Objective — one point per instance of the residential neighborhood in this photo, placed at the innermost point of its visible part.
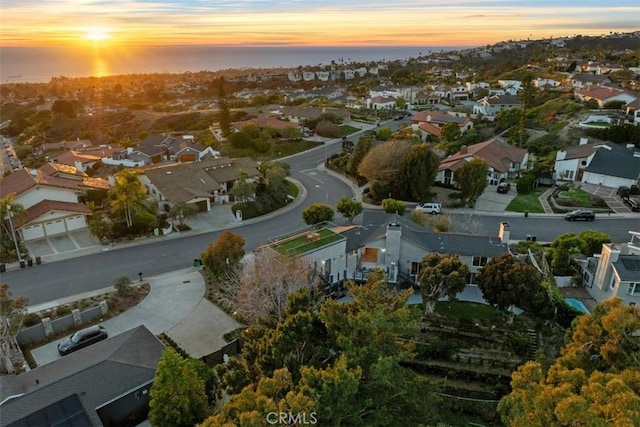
(246, 236)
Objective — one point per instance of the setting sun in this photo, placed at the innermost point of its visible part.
(97, 35)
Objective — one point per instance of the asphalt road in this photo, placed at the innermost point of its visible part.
(52, 281)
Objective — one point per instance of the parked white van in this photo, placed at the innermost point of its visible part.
(431, 208)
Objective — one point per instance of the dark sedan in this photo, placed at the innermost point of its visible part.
(82, 338)
(580, 214)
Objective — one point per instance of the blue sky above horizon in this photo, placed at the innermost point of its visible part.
(306, 22)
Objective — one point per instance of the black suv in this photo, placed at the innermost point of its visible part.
(580, 214)
(82, 338)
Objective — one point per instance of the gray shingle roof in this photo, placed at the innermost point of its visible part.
(96, 374)
(374, 225)
(614, 160)
(628, 268)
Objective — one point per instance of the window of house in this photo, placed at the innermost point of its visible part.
(612, 285)
(415, 268)
(480, 261)
(633, 289)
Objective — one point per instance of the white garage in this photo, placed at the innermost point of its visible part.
(32, 232)
(76, 223)
(54, 227)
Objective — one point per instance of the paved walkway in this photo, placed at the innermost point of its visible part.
(174, 305)
(544, 202)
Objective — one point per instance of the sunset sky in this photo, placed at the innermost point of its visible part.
(307, 22)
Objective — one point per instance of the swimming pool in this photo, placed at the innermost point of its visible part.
(577, 304)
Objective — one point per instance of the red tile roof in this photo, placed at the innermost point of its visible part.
(46, 206)
(498, 155)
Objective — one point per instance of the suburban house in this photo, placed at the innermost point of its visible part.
(381, 103)
(397, 245)
(324, 250)
(588, 79)
(432, 122)
(615, 272)
(426, 98)
(613, 166)
(300, 114)
(602, 95)
(266, 122)
(50, 197)
(200, 183)
(388, 242)
(504, 160)
(105, 384)
(512, 87)
(571, 162)
(491, 105)
(163, 148)
(83, 158)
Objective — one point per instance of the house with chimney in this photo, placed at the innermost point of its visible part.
(388, 242)
(50, 196)
(615, 272)
(505, 161)
(397, 245)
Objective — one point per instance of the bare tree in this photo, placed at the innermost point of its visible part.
(259, 287)
(12, 312)
(468, 223)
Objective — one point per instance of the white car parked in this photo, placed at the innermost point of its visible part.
(431, 208)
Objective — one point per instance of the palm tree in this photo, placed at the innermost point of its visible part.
(126, 193)
(9, 209)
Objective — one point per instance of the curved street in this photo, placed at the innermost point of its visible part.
(78, 274)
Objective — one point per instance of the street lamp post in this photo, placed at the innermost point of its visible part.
(13, 233)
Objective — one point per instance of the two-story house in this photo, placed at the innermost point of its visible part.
(489, 106)
(50, 196)
(504, 160)
(615, 272)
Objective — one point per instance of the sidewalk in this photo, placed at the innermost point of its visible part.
(174, 305)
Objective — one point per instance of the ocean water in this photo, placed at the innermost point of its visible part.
(40, 64)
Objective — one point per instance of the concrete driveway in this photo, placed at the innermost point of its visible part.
(492, 201)
(174, 305)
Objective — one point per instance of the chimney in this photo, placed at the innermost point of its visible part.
(504, 232)
(463, 149)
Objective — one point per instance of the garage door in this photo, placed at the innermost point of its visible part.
(76, 223)
(33, 232)
(54, 227)
(202, 206)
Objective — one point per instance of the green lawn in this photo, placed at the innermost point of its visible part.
(580, 197)
(301, 243)
(467, 310)
(527, 202)
(346, 130)
(293, 189)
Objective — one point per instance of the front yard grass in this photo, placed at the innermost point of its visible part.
(527, 202)
(578, 196)
(346, 130)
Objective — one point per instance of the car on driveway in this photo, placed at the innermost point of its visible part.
(580, 214)
(83, 338)
(504, 187)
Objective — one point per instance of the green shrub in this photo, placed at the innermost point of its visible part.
(634, 189)
(62, 310)
(393, 206)
(525, 184)
(122, 285)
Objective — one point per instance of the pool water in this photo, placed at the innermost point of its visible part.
(577, 304)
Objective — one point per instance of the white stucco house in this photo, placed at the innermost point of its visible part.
(50, 196)
(615, 272)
